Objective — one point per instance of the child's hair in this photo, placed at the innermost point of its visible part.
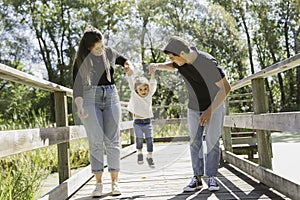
(138, 81)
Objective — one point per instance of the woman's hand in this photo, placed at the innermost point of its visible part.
(80, 110)
(128, 69)
(81, 114)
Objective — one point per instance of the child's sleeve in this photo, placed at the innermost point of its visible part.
(130, 82)
(153, 86)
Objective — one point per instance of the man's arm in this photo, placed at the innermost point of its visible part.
(222, 93)
(225, 88)
(167, 66)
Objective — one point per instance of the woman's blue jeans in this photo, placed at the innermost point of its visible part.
(213, 134)
(102, 105)
(141, 127)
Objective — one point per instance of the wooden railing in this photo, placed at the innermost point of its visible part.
(17, 141)
(22, 140)
(262, 123)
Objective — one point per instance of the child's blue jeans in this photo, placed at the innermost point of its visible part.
(141, 127)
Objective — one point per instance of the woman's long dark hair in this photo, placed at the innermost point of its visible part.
(89, 38)
(82, 62)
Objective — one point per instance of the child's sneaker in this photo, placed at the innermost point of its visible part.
(212, 184)
(98, 190)
(140, 159)
(115, 189)
(150, 162)
(193, 185)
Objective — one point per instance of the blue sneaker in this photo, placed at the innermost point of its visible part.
(193, 185)
(212, 184)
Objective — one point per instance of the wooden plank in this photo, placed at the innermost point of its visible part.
(18, 141)
(172, 139)
(244, 140)
(241, 101)
(264, 142)
(264, 175)
(68, 187)
(243, 134)
(226, 132)
(75, 182)
(285, 121)
(173, 171)
(169, 121)
(282, 66)
(126, 125)
(11, 74)
(63, 149)
(239, 121)
(239, 95)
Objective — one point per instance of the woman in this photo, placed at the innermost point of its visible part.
(98, 104)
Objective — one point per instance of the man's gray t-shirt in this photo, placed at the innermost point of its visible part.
(200, 78)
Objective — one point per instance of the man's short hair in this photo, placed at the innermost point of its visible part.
(176, 45)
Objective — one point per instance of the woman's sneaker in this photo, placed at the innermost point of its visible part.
(115, 189)
(98, 190)
(193, 185)
(212, 184)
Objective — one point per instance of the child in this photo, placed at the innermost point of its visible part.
(140, 104)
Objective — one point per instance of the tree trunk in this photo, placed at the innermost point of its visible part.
(281, 87)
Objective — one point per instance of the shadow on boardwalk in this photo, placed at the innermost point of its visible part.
(173, 171)
(241, 186)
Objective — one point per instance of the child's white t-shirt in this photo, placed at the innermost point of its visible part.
(141, 106)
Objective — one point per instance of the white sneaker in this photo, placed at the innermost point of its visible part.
(98, 190)
(115, 189)
(212, 184)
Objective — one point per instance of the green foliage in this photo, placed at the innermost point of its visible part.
(79, 153)
(245, 36)
(23, 106)
(22, 175)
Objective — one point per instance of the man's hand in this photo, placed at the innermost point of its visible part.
(205, 117)
(152, 68)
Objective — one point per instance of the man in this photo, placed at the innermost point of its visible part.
(207, 88)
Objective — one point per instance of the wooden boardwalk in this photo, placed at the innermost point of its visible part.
(173, 171)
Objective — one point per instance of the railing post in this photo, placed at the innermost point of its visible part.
(264, 142)
(226, 134)
(63, 149)
(132, 137)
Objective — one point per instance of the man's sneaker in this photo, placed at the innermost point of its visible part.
(194, 185)
(150, 162)
(140, 159)
(98, 190)
(212, 184)
(115, 189)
